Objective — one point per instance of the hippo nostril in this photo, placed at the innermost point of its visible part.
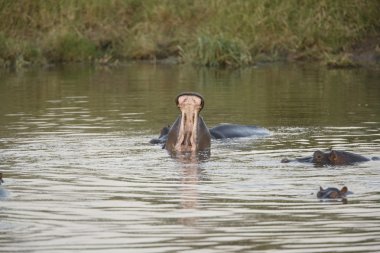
(190, 94)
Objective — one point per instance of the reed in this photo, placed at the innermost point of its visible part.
(210, 33)
(219, 51)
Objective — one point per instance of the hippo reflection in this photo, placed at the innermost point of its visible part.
(333, 157)
(189, 132)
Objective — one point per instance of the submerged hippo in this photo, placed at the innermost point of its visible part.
(189, 132)
(162, 137)
(332, 193)
(223, 131)
(333, 157)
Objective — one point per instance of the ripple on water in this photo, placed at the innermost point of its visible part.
(86, 191)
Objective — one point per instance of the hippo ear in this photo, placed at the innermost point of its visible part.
(333, 155)
(320, 188)
(344, 190)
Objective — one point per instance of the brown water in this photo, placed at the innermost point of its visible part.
(80, 175)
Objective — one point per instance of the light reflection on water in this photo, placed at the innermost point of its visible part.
(81, 176)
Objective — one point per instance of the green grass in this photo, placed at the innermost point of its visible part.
(216, 33)
(69, 47)
(220, 52)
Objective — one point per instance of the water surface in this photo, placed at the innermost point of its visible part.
(80, 175)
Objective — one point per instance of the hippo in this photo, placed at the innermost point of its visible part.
(332, 157)
(189, 132)
(1, 178)
(332, 193)
(162, 138)
(225, 131)
(222, 131)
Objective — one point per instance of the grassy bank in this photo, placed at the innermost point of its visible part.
(209, 33)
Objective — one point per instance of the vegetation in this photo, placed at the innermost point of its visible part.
(209, 33)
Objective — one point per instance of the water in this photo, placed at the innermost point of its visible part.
(80, 175)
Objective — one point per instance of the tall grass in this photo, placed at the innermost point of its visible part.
(210, 33)
(219, 51)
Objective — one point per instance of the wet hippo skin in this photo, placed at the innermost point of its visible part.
(223, 131)
(162, 137)
(333, 157)
(332, 193)
(189, 131)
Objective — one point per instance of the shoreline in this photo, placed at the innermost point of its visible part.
(360, 57)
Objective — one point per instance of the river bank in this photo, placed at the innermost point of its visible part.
(211, 33)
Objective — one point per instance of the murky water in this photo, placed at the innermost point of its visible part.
(80, 175)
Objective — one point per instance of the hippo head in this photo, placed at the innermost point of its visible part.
(189, 132)
(320, 158)
(332, 193)
(190, 105)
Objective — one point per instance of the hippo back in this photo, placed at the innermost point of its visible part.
(235, 131)
(343, 157)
